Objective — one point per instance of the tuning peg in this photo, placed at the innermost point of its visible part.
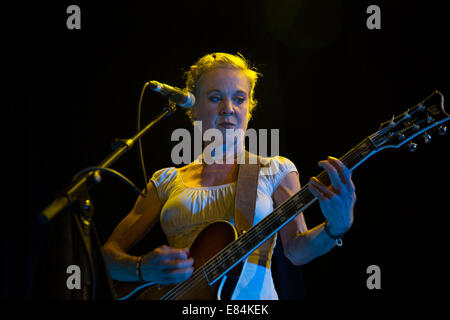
(412, 146)
(426, 137)
(392, 123)
(406, 115)
(442, 130)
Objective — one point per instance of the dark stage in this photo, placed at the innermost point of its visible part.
(328, 82)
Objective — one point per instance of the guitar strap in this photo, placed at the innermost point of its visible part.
(245, 203)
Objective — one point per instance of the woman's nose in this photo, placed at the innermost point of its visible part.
(226, 107)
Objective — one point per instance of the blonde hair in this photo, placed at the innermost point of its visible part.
(221, 60)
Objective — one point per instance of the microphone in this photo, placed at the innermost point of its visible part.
(182, 98)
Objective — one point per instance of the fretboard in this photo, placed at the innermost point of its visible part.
(242, 247)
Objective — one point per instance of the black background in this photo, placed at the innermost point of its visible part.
(328, 82)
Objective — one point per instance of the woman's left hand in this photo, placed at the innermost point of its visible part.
(337, 200)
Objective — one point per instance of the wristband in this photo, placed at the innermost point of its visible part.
(337, 238)
(138, 268)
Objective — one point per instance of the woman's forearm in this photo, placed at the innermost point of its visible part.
(309, 245)
(121, 265)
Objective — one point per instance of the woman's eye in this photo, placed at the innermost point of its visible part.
(214, 98)
(240, 100)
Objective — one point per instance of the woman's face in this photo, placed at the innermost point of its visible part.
(223, 100)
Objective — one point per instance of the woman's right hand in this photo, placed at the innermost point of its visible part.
(166, 265)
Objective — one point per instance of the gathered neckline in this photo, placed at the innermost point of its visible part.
(202, 188)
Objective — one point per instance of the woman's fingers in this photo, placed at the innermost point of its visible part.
(172, 258)
(176, 263)
(344, 173)
(335, 179)
(176, 270)
(167, 265)
(339, 174)
(337, 200)
(165, 252)
(340, 169)
(319, 190)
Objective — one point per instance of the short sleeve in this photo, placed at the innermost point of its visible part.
(280, 167)
(163, 180)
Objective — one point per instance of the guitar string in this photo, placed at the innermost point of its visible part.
(195, 279)
(184, 288)
(187, 286)
(324, 179)
(212, 265)
(208, 269)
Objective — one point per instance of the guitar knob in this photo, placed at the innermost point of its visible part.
(442, 130)
(426, 137)
(412, 146)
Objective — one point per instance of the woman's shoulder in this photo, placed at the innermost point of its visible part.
(164, 175)
(276, 165)
(274, 169)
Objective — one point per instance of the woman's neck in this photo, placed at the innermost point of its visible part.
(221, 154)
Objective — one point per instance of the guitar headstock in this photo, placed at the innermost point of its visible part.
(417, 122)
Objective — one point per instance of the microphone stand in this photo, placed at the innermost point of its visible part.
(76, 197)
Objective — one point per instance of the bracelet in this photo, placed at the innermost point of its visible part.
(138, 268)
(337, 238)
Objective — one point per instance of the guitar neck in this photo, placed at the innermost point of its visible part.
(242, 247)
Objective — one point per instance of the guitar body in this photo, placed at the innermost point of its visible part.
(207, 244)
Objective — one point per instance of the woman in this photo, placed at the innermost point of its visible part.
(187, 199)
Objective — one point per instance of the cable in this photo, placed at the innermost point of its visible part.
(141, 154)
(113, 172)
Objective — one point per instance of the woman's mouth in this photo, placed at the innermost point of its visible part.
(227, 125)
